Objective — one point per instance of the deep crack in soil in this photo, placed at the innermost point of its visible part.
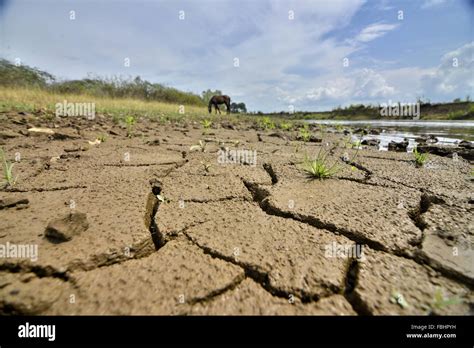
(350, 284)
(39, 271)
(259, 276)
(260, 196)
(152, 205)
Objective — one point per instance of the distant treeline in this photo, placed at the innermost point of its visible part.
(456, 110)
(24, 76)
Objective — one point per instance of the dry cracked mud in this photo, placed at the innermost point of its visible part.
(167, 230)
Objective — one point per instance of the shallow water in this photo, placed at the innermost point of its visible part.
(448, 132)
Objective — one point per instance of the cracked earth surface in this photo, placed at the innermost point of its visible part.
(166, 236)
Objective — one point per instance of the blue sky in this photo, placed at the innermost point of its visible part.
(282, 61)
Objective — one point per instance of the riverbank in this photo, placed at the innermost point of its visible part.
(151, 218)
(459, 110)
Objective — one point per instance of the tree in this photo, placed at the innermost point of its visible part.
(207, 95)
(238, 108)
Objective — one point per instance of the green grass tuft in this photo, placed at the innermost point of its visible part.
(420, 158)
(130, 122)
(319, 167)
(305, 134)
(7, 171)
(206, 124)
(267, 123)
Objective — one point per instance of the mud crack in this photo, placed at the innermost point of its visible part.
(261, 277)
(42, 189)
(39, 271)
(416, 214)
(261, 195)
(143, 164)
(139, 250)
(218, 292)
(367, 172)
(269, 169)
(152, 205)
(352, 277)
(221, 199)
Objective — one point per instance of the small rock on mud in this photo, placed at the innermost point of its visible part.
(12, 202)
(40, 131)
(399, 147)
(154, 142)
(65, 228)
(370, 142)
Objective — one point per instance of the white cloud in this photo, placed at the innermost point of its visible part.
(374, 31)
(454, 77)
(433, 3)
(364, 84)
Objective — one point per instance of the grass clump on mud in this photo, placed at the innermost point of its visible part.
(305, 134)
(319, 167)
(130, 122)
(206, 124)
(7, 171)
(286, 126)
(440, 301)
(420, 158)
(267, 123)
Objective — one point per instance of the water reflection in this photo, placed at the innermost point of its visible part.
(448, 133)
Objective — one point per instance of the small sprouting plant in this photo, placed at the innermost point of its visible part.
(116, 119)
(206, 166)
(319, 167)
(236, 143)
(267, 123)
(420, 158)
(439, 301)
(339, 127)
(285, 125)
(130, 122)
(206, 124)
(102, 138)
(351, 144)
(305, 134)
(201, 146)
(7, 170)
(356, 144)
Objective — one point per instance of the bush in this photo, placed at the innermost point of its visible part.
(114, 87)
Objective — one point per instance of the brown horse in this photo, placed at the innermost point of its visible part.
(219, 99)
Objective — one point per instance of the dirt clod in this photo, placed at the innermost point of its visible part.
(65, 228)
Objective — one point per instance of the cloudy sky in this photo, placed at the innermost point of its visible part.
(314, 55)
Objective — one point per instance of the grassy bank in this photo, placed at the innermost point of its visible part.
(31, 99)
(23, 76)
(38, 100)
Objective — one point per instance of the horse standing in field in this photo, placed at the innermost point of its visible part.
(219, 99)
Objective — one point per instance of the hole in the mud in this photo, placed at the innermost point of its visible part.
(351, 278)
(269, 169)
(152, 206)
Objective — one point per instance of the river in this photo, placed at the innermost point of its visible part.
(447, 132)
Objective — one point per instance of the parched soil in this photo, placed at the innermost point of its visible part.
(144, 225)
